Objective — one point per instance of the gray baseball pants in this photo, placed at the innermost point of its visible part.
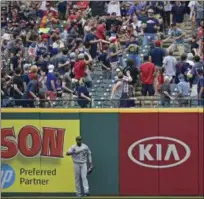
(80, 172)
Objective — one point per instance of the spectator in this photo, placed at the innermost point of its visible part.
(169, 64)
(190, 60)
(184, 91)
(178, 37)
(194, 45)
(32, 90)
(117, 91)
(200, 87)
(182, 68)
(199, 8)
(178, 11)
(25, 75)
(51, 84)
(17, 87)
(124, 102)
(166, 92)
(148, 71)
(105, 61)
(81, 70)
(67, 88)
(160, 79)
(92, 40)
(58, 33)
(157, 54)
(83, 95)
(151, 26)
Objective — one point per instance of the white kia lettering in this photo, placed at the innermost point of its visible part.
(144, 152)
(171, 151)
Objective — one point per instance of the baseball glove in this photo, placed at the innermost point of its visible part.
(90, 170)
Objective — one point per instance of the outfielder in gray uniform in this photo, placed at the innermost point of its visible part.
(80, 154)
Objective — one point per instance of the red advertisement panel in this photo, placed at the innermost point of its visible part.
(201, 154)
(136, 178)
(181, 154)
(161, 154)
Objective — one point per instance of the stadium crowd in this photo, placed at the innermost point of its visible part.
(66, 50)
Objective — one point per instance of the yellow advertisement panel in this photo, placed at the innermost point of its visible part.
(33, 155)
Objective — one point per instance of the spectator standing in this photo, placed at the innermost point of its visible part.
(199, 8)
(184, 91)
(32, 89)
(67, 89)
(194, 45)
(166, 92)
(17, 87)
(16, 60)
(178, 39)
(169, 64)
(84, 98)
(178, 11)
(167, 13)
(157, 54)
(148, 72)
(63, 62)
(93, 41)
(101, 30)
(51, 84)
(160, 79)
(117, 91)
(25, 75)
(106, 66)
(200, 87)
(151, 26)
(81, 69)
(124, 102)
(182, 68)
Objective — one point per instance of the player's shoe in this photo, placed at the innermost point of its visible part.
(78, 195)
(86, 194)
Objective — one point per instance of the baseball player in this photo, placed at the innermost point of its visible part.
(80, 154)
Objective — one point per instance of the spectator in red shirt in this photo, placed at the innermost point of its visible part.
(160, 79)
(80, 67)
(200, 30)
(101, 30)
(148, 71)
(82, 5)
(50, 9)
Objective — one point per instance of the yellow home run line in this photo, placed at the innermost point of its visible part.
(111, 197)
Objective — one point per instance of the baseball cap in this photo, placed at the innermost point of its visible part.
(72, 56)
(75, 7)
(81, 56)
(51, 68)
(26, 66)
(112, 39)
(190, 56)
(181, 77)
(150, 11)
(78, 138)
(157, 43)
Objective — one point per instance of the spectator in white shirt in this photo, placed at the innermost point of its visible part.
(169, 64)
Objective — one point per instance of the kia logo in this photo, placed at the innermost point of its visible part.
(159, 152)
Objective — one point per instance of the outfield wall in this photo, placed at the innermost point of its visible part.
(135, 151)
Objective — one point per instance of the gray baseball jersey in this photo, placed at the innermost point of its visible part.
(82, 153)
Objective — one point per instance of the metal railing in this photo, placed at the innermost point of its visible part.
(140, 102)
